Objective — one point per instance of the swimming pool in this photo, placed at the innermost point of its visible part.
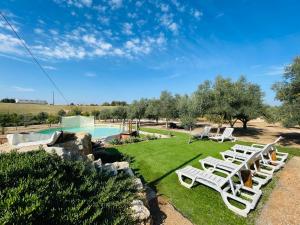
(96, 132)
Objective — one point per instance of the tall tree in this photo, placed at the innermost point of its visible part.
(288, 92)
(137, 109)
(153, 110)
(167, 106)
(188, 111)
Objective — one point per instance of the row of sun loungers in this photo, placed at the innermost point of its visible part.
(239, 176)
(226, 135)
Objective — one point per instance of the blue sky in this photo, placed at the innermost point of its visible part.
(107, 50)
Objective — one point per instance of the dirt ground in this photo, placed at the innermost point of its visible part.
(283, 206)
(258, 131)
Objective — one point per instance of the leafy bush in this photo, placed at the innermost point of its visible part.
(39, 188)
(116, 141)
(150, 137)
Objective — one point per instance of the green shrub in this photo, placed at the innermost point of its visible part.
(150, 137)
(39, 188)
(116, 141)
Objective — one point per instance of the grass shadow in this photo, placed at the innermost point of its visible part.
(156, 181)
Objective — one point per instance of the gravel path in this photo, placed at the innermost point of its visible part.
(283, 206)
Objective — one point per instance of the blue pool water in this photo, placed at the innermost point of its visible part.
(96, 132)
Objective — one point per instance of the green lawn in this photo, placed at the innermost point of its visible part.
(156, 162)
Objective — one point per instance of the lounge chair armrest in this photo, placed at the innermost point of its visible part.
(221, 171)
(257, 145)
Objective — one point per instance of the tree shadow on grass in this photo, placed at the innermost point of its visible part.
(290, 138)
(250, 131)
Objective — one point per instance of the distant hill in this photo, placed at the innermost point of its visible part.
(34, 108)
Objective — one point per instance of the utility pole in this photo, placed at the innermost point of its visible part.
(53, 98)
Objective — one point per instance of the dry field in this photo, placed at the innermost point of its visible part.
(35, 108)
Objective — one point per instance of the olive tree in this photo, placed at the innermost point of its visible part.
(167, 106)
(153, 110)
(288, 92)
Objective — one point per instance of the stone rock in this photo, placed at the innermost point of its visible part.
(84, 142)
(98, 164)
(138, 184)
(79, 143)
(121, 165)
(140, 212)
(91, 157)
(129, 172)
(63, 153)
(109, 168)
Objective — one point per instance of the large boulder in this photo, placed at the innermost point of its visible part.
(76, 142)
(140, 212)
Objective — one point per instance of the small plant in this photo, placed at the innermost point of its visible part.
(116, 141)
(135, 139)
(150, 137)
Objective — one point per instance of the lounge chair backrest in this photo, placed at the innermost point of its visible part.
(227, 132)
(206, 130)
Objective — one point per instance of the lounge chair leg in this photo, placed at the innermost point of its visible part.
(185, 184)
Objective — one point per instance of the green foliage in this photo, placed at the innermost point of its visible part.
(8, 100)
(39, 188)
(105, 114)
(272, 114)
(61, 113)
(75, 111)
(153, 109)
(288, 92)
(188, 111)
(52, 119)
(116, 141)
(42, 117)
(150, 137)
(120, 112)
(95, 113)
(167, 106)
(137, 109)
(229, 101)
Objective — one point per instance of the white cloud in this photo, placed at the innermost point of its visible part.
(4, 25)
(219, 15)
(164, 7)
(10, 44)
(275, 70)
(167, 21)
(50, 67)
(174, 27)
(138, 3)
(90, 74)
(22, 89)
(197, 14)
(127, 29)
(115, 4)
(15, 58)
(76, 3)
(38, 31)
(89, 39)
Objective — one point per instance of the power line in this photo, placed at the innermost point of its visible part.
(34, 58)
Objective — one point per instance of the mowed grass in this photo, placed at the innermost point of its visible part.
(156, 162)
(35, 108)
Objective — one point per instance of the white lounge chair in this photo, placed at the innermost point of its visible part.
(266, 151)
(32, 139)
(242, 153)
(258, 177)
(233, 156)
(229, 190)
(205, 133)
(227, 135)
